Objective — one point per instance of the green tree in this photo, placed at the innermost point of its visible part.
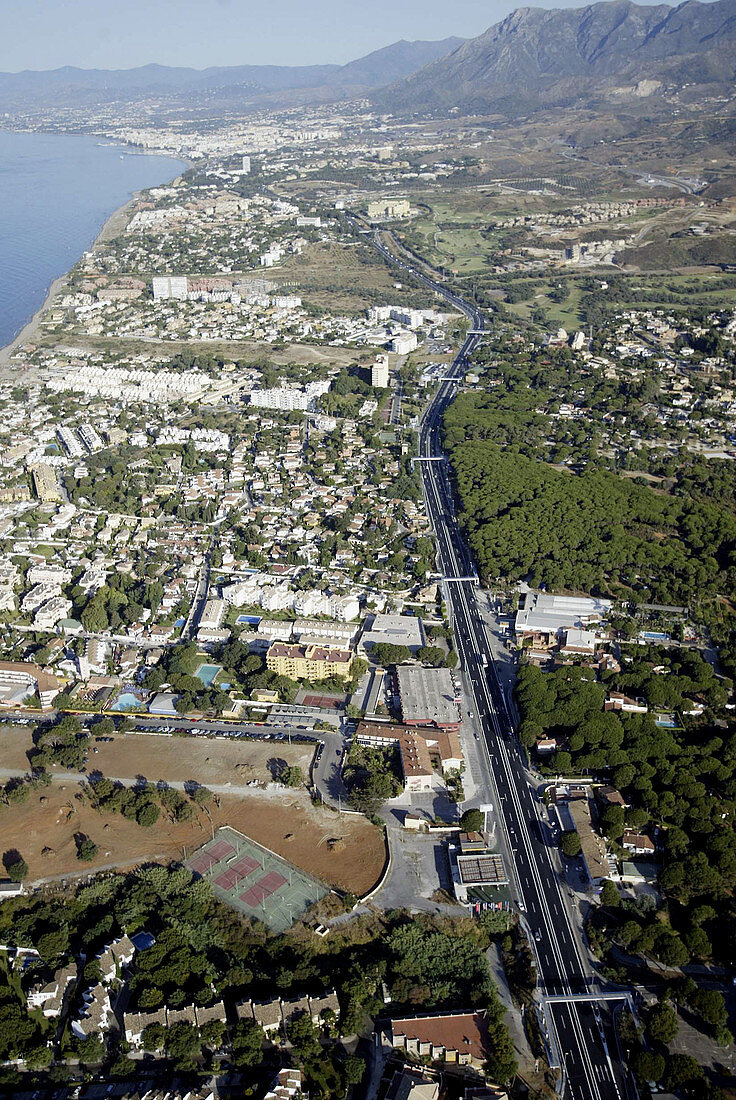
(610, 896)
(152, 1037)
(148, 814)
(570, 843)
(661, 1023)
(292, 776)
(15, 866)
(384, 653)
(472, 821)
(682, 1071)
(710, 1005)
(86, 849)
(648, 1065)
(353, 1069)
(247, 1043)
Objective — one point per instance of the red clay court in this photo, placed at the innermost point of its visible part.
(326, 702)
(259, 883)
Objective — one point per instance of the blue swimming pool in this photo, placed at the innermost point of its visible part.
(655, 636)
(207, 674)
(128, 701)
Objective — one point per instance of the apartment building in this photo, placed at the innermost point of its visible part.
(309, 662)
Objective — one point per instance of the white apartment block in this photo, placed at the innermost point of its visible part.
(69, 442)
(379, 373)
(404, 343)
(38, 595)
(52, 612)
(90, 438)
(170, 286)
(285, 399)
(48, 574)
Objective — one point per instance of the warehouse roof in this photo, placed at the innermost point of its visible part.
(428, 696)
(396, 630)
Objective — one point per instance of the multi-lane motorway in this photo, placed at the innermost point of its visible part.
(581, 1032)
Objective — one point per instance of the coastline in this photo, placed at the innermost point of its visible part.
(116, 220)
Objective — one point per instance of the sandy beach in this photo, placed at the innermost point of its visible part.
(117, 220)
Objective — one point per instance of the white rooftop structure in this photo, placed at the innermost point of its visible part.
(395, 630)
(547, 613)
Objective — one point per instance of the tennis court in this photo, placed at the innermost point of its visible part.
(254, 880)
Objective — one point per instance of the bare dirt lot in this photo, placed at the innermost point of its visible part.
(209, 761)
(14, 743)
(174, 759)
(341, 850)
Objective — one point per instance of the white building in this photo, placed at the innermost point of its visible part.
(38, 595)
(69, 442)
(170, 286)
(379, 373)
(404, 343)
(52, 612)
(90, 438)
(550, 614)
(43, 573)
(286, 399)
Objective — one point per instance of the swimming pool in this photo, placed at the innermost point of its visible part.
(655, 636)
(207, 674)
(128, 701)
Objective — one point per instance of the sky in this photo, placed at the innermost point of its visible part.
(120, 34)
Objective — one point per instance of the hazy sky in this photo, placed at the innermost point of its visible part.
(110, 34)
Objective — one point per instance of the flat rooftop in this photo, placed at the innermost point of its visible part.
(482, 869)
(547, 613)
(396, 630)
(428, 696)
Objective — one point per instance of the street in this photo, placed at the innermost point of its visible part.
(581, 1038)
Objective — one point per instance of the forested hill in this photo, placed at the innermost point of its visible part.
(590, 532)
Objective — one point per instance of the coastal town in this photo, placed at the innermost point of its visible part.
(306, 687)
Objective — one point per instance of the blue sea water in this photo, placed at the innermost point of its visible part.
(56, 192)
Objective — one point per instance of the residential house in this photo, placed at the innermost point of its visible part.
(50, 997)
(639, 844)
(96, 1013)
(135, 1023)
(267, 1014)
(455, 1038)
(287, 1084)
(319, 1005)
(215, 1013)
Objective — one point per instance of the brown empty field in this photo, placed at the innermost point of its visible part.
(213, 761)
(14, 744)
(209, 761)
(343, 851)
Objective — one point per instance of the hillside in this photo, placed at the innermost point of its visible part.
(614, 50)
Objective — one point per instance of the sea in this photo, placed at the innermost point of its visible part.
(56, 193)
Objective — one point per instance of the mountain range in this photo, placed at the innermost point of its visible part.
(560, 57)
(74, 87)
(610, 52)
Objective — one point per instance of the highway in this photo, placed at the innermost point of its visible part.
(582, 1038)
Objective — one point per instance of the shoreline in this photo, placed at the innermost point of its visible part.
(32, 326)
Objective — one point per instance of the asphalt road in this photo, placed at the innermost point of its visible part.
(582, 1034)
